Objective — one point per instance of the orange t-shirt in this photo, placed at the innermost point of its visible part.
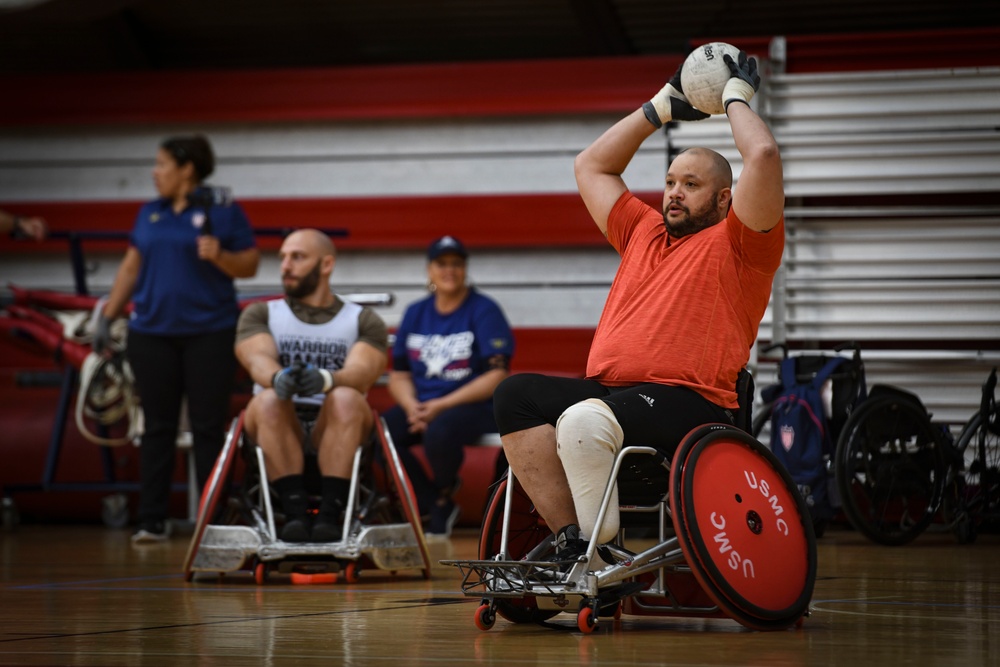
(683, 312)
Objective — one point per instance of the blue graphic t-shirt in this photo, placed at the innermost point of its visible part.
(444, 352)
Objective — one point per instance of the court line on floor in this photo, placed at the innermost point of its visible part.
(248, 619)
(887, 602)
(240, 583)
(72, 585)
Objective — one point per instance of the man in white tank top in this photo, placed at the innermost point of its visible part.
(310, 353)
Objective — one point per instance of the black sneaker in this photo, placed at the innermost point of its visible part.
(326, 530)
(569, 546)
(295, 505)
(295, 530)
(329, 522)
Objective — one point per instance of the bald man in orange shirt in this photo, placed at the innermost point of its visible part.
(680, 319)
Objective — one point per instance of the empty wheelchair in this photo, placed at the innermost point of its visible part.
(978, 494)
(237, 524)
(730, 538)
(892, 466)
(897, 469)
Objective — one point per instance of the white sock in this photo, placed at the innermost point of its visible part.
(588, 437)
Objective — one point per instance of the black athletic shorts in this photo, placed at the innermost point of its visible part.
(655, 415)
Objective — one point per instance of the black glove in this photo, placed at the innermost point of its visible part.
(744, 79)
(286, 381)
(671, 104)
(314, 380)
(102, 334)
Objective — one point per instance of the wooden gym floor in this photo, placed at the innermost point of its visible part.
(83, 595)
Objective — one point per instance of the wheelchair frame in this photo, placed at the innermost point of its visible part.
(680, 575)
(897, 469)
(222, 549)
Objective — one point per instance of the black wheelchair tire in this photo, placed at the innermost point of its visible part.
(875, 471)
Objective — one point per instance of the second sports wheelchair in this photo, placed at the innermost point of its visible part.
(237, 523)
(898, 470)
(731, 538)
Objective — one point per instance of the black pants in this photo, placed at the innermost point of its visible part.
(650, 414)
(167, 368)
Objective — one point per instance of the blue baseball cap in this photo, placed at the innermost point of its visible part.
(445, 245)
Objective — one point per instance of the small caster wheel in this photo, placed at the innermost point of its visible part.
(351, 572)
(586, 620)
(260, 573)
(485, 616)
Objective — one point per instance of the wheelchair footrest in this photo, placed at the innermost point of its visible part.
(225, 548)
(513, 579)
(391, 546)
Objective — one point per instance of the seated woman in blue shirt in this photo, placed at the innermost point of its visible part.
(185, 249)
(452, 349)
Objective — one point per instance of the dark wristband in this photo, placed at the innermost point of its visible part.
(651, 115)
(734, 99)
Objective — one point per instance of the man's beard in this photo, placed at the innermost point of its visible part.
(694, 221)
(306, 286)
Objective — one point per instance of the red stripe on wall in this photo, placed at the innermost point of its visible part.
(896, 50)
(359, 93)
(497, 221)
(513, 88)
(877, 51)
(411, 222)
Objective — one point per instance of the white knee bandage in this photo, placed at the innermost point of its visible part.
(588, 437)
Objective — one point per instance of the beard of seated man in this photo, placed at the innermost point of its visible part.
(305, 286)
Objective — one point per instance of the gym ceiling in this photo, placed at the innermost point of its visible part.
(49, 36)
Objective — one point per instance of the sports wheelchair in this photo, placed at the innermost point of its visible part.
(732, 539)
(897, 469)
(236, 527)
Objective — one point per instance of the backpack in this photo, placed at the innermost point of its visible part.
(800, 434)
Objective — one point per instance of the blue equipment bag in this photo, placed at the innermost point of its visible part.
(800, 434)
